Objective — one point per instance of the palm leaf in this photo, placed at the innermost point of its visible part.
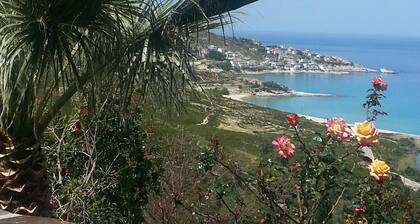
(51, 49)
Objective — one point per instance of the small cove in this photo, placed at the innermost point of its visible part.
(402, 98)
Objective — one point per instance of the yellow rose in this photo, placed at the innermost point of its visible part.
(379, 170)
(366, 133)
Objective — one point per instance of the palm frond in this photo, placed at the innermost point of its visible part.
(50, 50)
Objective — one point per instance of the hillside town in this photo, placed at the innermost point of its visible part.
(257, 58)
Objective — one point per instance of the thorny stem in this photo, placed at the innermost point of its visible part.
(334, 206)
(320, 149)
(303, 202)
(367, 110)
(299, 201)
(323, 145)
(336, 203)
(316, 207)
(301, 198)
(345, 156)
(227, 206)
(272, 201)
(247, 184)
(299, 138)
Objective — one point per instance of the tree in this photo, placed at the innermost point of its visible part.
(53, 50)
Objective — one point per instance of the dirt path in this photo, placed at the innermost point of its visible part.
(409, 183)
(205, 120)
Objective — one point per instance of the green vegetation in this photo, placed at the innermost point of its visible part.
(244, 129)
(56, 51)
(104, 169)
(225, 65)
(216, 55)
(271, 85)
(240, 45)
(244, 133)
(100, 123)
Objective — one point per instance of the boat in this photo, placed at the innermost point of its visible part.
(386, 71)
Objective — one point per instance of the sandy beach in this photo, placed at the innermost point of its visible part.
(241, 95)
(324, 121)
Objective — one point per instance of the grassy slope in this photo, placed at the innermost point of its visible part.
(245, 129)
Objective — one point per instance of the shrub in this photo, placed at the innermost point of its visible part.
(216, 55)
(100, 169)
(270, 85)
(224, 91)
(194, 189)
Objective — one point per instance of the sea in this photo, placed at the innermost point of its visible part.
(397, 53)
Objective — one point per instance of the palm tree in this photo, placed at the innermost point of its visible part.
(53, 49)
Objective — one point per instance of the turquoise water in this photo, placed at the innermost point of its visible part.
(395, 53)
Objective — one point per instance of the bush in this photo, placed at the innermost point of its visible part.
(216, 55)
(224, 91)
(270, 85)
(309, 177)
(190, 193)
(101, 171)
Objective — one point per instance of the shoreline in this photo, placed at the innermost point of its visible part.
(384, 131)
(369, 71)
(241, 96)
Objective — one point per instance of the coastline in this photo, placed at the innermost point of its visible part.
(368, 70)
(241, 96)
(384, 131)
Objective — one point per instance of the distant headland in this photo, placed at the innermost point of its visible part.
(246, 56)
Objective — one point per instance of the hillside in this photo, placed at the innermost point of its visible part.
(249, 56)
(245, 129)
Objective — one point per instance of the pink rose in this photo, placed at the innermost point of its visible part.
(338, 128)
(285, 149)
(379, 84)
(293, 119)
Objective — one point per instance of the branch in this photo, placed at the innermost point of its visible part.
(334, 207)
(299, 200)
(61, 101)
(228, 208)
(247, 184)
(300, 140)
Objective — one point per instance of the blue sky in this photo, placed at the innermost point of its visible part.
(375, 17)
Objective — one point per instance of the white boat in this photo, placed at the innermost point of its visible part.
(386, 71)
